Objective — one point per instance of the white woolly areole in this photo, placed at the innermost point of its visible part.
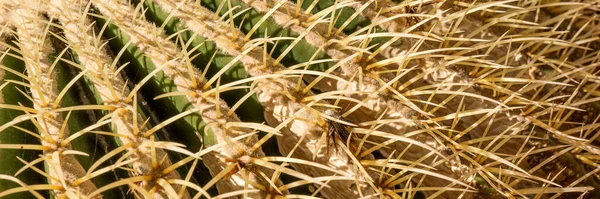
(30, 24)
(167, 55)
(306, 134)
(211, 27)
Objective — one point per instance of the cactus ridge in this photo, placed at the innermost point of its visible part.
(299, 99)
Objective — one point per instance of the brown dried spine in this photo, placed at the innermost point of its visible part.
(337, 131)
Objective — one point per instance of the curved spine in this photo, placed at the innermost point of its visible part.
(64, 170)
(279, 108)
(505, 122)
(95, 60)
(224, 125)
(371, 88)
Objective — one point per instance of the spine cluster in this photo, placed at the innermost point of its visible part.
(64, 171)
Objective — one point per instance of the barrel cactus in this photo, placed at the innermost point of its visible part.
(299, 99)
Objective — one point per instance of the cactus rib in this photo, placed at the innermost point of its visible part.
(223, 123)
(95, 59)
(299, 99)
(64, 169)
(366, 86)
(253, 60)
(499, 53)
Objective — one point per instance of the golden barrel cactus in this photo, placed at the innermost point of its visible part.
(299, 99)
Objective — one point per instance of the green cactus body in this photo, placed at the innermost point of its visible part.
(299, 99)
(11, 96)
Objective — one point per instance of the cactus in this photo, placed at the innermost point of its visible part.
(299, 99)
